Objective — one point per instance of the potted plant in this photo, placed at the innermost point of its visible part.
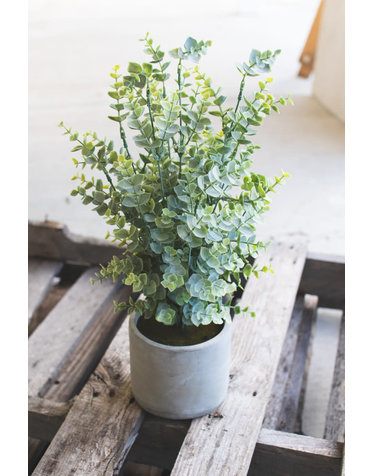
(183, 208)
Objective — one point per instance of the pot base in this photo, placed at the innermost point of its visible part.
(180, 415)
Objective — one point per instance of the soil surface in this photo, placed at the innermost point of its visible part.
(173, 335)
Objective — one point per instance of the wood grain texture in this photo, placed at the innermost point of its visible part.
(287, 416)
(285, 454)
(103, 422)
(66, 277)
(52, 240)
(276, 453)
(40, 279)
(87, 351)
(82, 357)
(324, 276)
(274, 405)
(228, 442)
(335, 422)
(54, 337)
(45, 417)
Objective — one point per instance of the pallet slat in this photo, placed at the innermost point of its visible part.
(290, 402)
(324, 276)
(285, 363)
(45, 417)
(52, 240)
(228, 441)
(335, 422)
(55, 340)
(88, 349)
(278, 453)
(40, 280)
(54, 337)
(102, 423)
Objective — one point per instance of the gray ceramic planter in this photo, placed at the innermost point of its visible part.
(179, 382)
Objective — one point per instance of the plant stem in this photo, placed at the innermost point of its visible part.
(181, 152)
(156, 154)
(242, 84)
(148, 98)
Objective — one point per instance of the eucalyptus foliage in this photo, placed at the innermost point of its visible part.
(184, 205)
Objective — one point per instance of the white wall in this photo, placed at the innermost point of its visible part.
(329, 80)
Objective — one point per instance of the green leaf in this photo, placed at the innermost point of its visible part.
(147, 68)
(134, 68)
(190, 43)
(165, 314)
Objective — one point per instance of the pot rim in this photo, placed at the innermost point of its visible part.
(177, 348)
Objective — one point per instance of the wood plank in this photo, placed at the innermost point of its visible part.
(335, 422)
(307, 57)
(45, 417)
(324, 276)
(287, 416)
(103, 422)
(41, 273)
(159, 441)
(52, 240)
(54, 337)
(285, 363)
(68, 274)
(82, 358)
(278, 453)
(88, 349)
(228, 441)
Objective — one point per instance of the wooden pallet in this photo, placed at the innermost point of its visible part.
(83, 418)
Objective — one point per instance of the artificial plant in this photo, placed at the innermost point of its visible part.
(183, 205)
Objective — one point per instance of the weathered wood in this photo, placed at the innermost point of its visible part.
(88, 349)
(308, 53)
(324, 276)
(159, 441)
(54, 337)
(68, 274)
(103, 422)
(40, 279)
(287, 417)
(278, 453)
(83, 354)
(335, 422)
(284, 367)
(228, 441)
(45, 417)
(54, 241)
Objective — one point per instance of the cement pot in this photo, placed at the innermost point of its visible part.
(179, 382)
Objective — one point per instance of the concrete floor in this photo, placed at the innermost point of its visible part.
(74, 44)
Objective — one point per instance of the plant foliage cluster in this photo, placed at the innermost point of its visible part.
(184, 206)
